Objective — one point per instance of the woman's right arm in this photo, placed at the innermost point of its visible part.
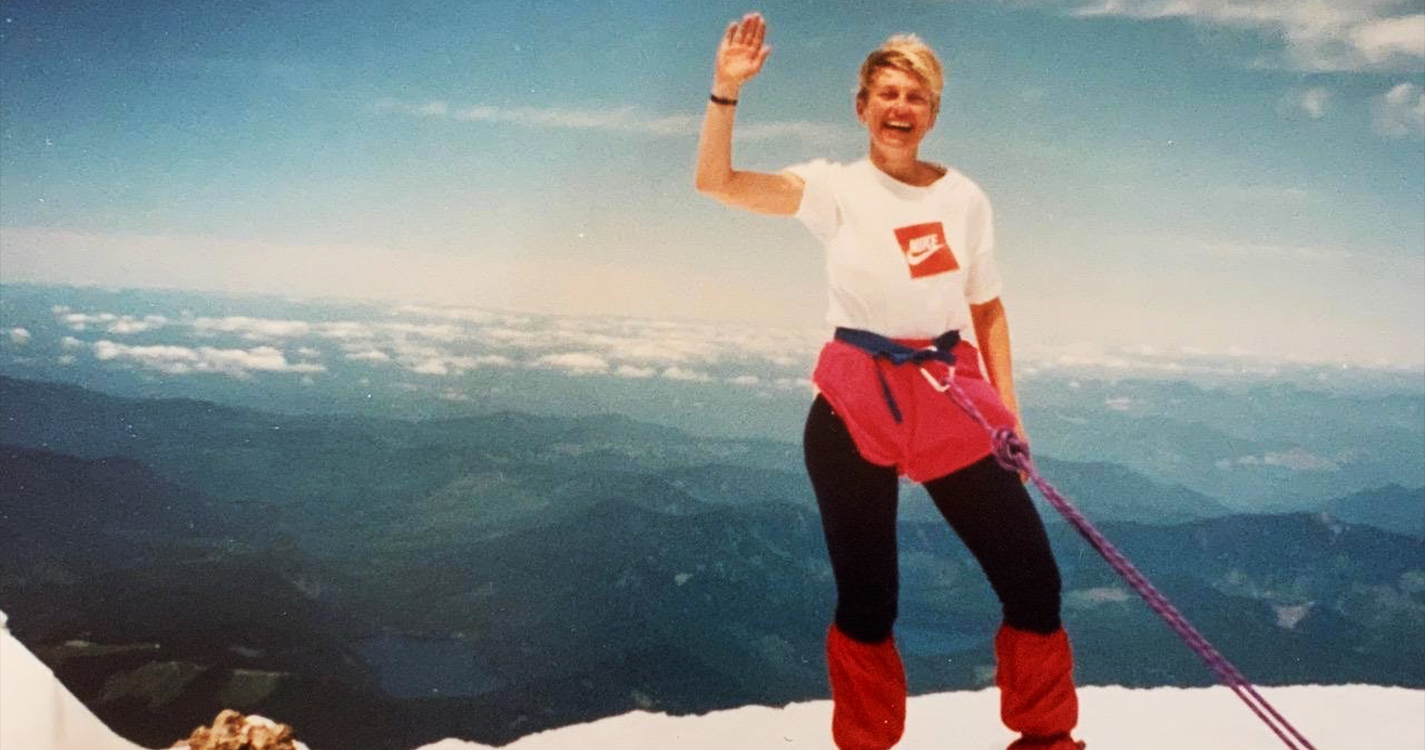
(739, 58)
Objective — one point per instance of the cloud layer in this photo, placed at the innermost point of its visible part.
(1316, 36)
(610, 119)
(429, 347)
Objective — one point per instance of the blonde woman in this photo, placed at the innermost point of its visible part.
(909, 258)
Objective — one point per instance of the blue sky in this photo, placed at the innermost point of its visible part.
(1221, 176)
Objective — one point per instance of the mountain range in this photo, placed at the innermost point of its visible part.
(384, 583)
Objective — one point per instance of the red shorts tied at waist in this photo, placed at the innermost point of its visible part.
(935, 437)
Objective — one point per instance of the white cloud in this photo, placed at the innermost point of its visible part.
(1381, 40)
(622, 119)
(182, 360)
(429, 367)
(369, 355)
(127, 324)
(111, 322)
(1298, 459)
(1085, 598)
(1400, 112)
(20, 336)
(579, 363)
(436, 331)
(442, 363)
(680, 373)
(69, 342)
(1319, 36)
(812, 132)
(346, 330)
(1119, 403)
(254, 329)
(745, 380)
(1312, 102)
(629, 371)
(82, 321)
(468, 314)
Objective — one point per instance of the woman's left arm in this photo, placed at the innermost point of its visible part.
(992, 333)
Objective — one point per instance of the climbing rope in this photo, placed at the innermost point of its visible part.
(1013, 454)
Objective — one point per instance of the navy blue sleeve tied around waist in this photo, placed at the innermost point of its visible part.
(942, 349)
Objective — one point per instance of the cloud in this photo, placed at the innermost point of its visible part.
(20, 336)
(1400, 112)
(369, 355)
(622, 119)
(1119, 403)
(450, 364)
(1092, 597)
(346, 330)
(814, 132)
(1381, 40)
(629, 371)
(254, 328)
(1312, 102)
(679, 373)
(468, 314)
(1298, 459)
(578, 363)
(182, 360)
(1317, 36)
(127, 324)
(436, 331)
(619, 119)
(110, 322)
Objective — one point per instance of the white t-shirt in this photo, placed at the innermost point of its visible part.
(902, 261)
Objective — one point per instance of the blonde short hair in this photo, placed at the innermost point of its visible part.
(907, 53)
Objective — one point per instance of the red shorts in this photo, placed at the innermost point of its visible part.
(935, 437)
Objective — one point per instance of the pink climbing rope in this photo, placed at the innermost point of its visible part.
(1013, 454)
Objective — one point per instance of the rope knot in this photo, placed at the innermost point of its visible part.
(1010, 450)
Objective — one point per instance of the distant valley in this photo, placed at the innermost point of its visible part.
(386, 582)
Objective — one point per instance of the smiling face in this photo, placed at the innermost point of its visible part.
(897, 108)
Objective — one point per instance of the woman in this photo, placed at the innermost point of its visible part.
(909, 260)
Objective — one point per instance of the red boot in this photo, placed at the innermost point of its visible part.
(1035, 674)
(868, 692)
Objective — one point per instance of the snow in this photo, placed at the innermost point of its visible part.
(40, 714)
(1112, 718)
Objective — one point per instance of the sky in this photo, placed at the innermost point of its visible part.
(1219, 176)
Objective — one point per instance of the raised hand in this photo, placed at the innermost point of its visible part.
(741, 53)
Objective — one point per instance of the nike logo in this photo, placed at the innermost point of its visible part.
(927, 251)
(920, 249)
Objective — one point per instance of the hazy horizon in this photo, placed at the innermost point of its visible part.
(1177, 176)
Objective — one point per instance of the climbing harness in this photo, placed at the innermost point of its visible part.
(942, 349)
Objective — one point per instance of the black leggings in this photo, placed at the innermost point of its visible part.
(986, 505)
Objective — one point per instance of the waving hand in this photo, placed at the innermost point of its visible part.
(741, 53)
